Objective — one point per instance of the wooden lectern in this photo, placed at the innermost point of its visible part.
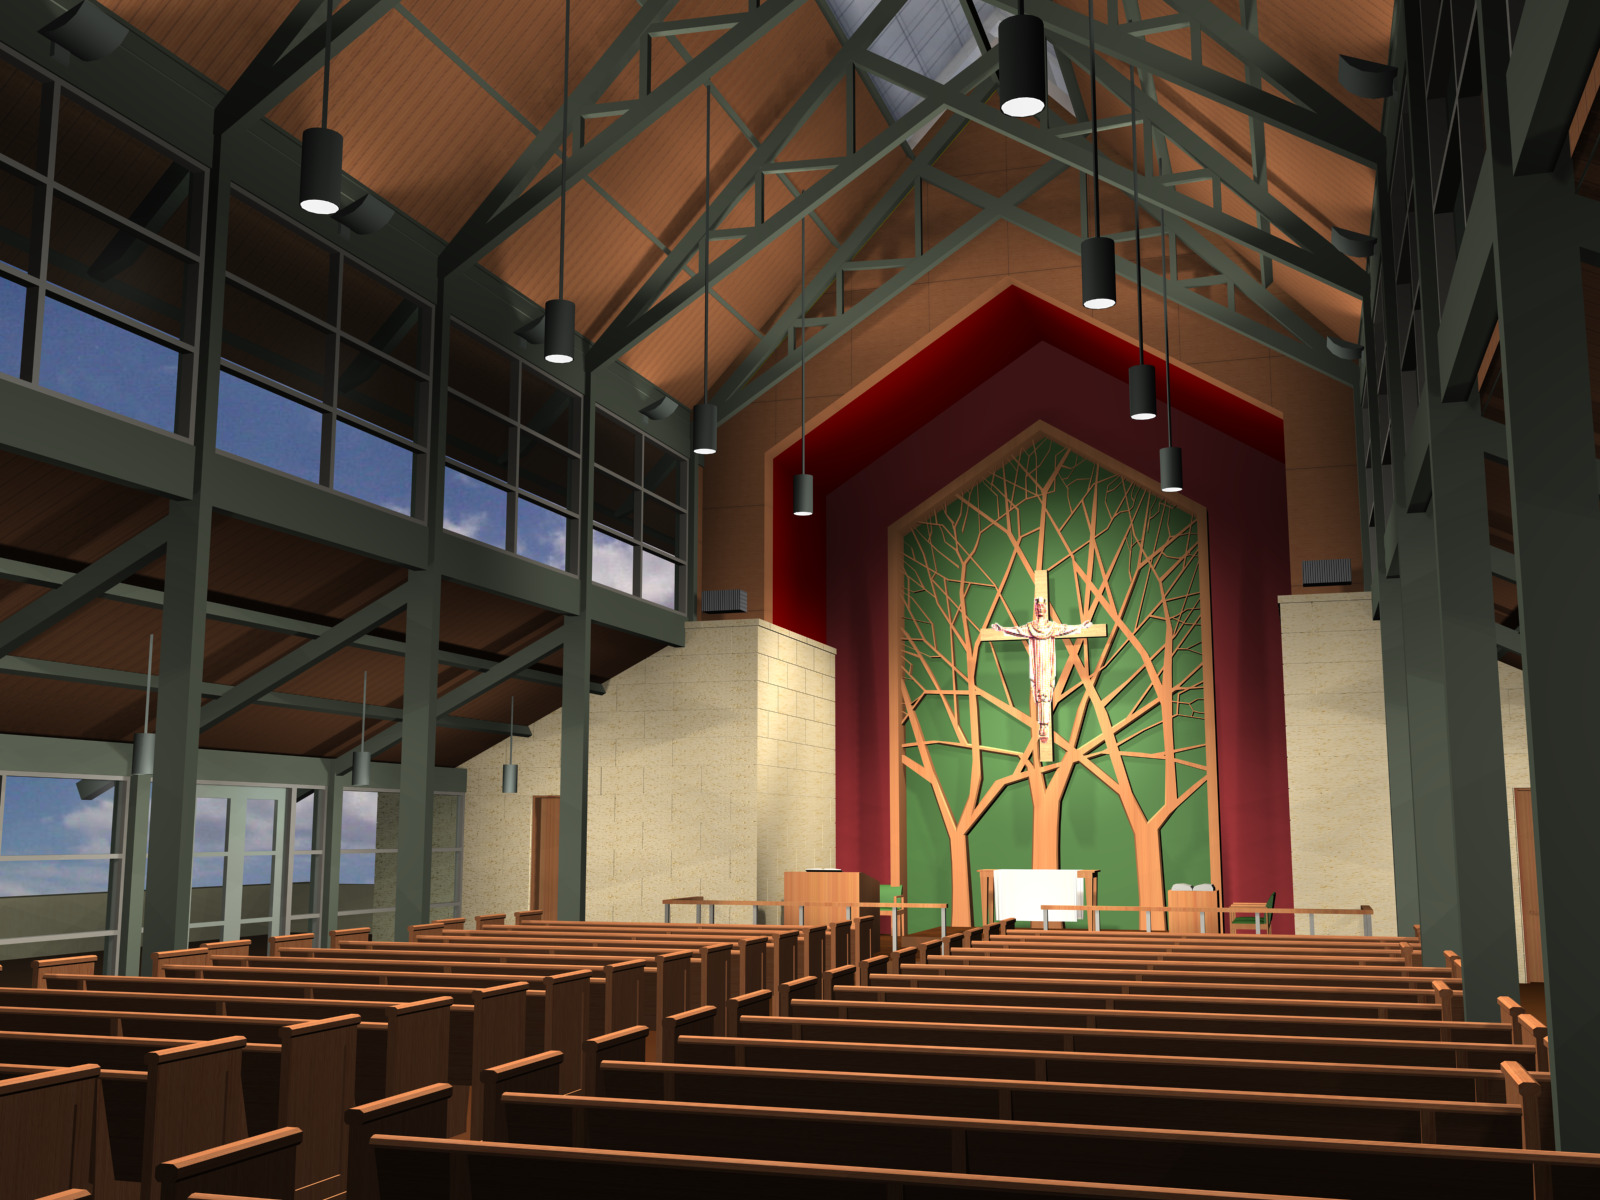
(825, 895)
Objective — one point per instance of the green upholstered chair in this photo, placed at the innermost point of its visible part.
(1247, 920)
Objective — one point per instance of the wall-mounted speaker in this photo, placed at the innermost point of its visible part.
(725, 600)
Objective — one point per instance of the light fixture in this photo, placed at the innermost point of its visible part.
(508, 773)
(1097, 254)
(1141, 376)
(86, 31)
(560, 314)
(322, 150)
(361, 762)
(1339, 348)
(1022, 65)
(144, 743)
(705, 413)
(364, 216)
(1348, 241)
(659, 410)
(804, 485)
(1369, 80)
(1171, 456)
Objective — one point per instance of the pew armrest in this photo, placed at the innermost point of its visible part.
(1525, 1092)
(489, 920)
(54, 968)
(1532, 1032)
(423, 1112)
(835, 976)
(622, 1045)
(1510, 1010)
(696, 1022)
(1449, 1000)
(344, 937)
(538, 1073)
(262, 1166)
(807, 987)
(289, 939)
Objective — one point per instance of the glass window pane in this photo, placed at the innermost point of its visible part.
(443, 882)
(659, 582)
(258, 869)
(662, 525)
(273, 342)
(117, 268)
(354, 869)
(547, 409)
(19, 199)
(302, 870)
(210, 824)
(208, 871)
(267, 428)
(615, 504)
(50, 816)
(478, 438)
(122, 172)
(613, 562)
(78, 891)
(358, 824)
(307, 809)
(479, 370)
(383, 316)
(90, 359)
(473, 508)
(21, 102)
(615, 446)
(305, 925)
(542, 534)
(444, 822)
(261, 823)
(372, 469)
(13, 320)
(378, 392)
(662, 472)
(546, 471)
(279, 259)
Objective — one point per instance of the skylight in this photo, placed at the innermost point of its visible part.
(932, 38)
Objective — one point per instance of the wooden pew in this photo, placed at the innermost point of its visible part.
(1129, 1156)
(264, 1164)
(1143, 1042)
(305, 1077)
(1394, 1119)
(47, 1131)
(414, 1167)
(793, 937)
(1316, 974)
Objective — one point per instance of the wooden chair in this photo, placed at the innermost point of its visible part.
(1255, 922)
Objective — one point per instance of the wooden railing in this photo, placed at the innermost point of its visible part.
(1258, 910)
(701, 902)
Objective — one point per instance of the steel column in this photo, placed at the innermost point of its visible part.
(413, 867)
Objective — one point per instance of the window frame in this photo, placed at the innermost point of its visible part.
(642, 493)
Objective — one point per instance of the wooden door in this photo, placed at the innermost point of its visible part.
(544, 871)
(1527, 866)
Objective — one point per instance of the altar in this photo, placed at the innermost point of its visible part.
(1019, 892)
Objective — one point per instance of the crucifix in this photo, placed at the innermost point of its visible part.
(1040, 634)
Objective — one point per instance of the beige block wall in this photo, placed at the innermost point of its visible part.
(1341, 846)
(1342, 851)
(710, 773)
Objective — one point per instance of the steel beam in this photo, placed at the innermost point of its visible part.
(413, 857)
(522, 195)
(90, 583)
(1545, 76)
(302, 658)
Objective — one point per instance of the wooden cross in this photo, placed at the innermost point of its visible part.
(1040, 634)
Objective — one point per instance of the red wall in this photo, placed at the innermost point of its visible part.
(1240, 480)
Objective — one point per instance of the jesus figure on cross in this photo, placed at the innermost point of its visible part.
(1040, 634)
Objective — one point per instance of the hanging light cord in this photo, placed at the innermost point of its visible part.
(802, 345)
(1166, 327)
(363, 710)
(1094, 120)
(566, 67)
(327, 60)
(1138, 245)
(705, 271)
(149, 672)
(511, 732)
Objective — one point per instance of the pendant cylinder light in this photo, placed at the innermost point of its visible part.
(705, 413)
(1141, 376)
(560, 314)
(1171, 456)
(1099, 260)
(144, 743)
(1022, 65)
(361, 762)
(508, 773)
(1171, 469)
(322, 150)
(804, 485)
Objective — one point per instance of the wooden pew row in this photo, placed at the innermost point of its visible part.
(1108, 1154)
(1402, 948)
(484, 1010)
(1180, 954)
(305, 1079)
(1417, 978)
(1145, 1042)
(861, 942)
(1518, 1119)
(48, 1129)
(264, 1165)
(663, 980)
(813, 943)
(994, 975)
(414, 1168)
(398, 1046)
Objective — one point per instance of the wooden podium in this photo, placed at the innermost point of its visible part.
(1198, 912)
(825, 895)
